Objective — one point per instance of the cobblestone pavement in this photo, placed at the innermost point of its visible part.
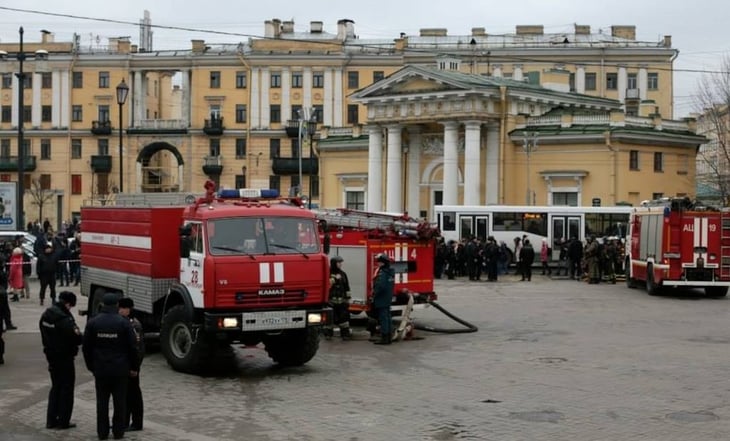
(553, 360)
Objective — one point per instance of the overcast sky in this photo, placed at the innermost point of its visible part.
(700, 29)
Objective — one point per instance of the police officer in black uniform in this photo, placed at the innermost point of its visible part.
(110, 354)
(135, 403)
(61, 339)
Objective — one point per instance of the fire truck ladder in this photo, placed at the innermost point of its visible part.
(725, 243)
(362, 220)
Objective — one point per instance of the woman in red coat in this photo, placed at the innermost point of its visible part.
(15, 279)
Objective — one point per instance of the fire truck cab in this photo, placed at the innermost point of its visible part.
(675, 242)
(227, 267)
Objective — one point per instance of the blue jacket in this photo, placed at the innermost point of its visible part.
(384, 287)
(110, 344)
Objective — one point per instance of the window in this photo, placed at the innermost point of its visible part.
(7, 114)
(353, 80)
(355, 200)
(631, 82)
(77, 114)
(565, 198)
(611, 81)
(102, 183)
(28, 81)
(275, 113)
(318, 80)
(658, 161)
(571, 82)
(634, 160)
(295, 111)
(313, 187)
(657, 195)
(240, 113)
(5, 148)
(240, 148)
(103, 80)
(352, 113)
(240, 181)
(274, 148)
(296, 80)
(378, 75)
(652, 81)
(77, 80)
(294, 186)
(241, 80)
(533, 77)
(275, 80)
(590, 81)
(75, 148)
(45, 182)
(294, 148)
(26, 147)
(76, 184)
(275, 182)
(215, 79)
(102, 147)
(214, 147)
(46, 80)
(318, 114)
(27, 113)
(46, 112)
(46, 149)
(104, 113)
(7, 81)
(215, 111)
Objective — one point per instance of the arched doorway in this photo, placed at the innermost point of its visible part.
(160, 168)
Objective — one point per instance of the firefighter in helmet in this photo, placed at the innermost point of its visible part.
(340, 299)
(383, 290)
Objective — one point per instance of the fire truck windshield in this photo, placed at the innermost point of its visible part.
(263, 235)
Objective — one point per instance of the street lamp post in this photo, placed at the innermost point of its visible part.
(311, 130)
(122, 92)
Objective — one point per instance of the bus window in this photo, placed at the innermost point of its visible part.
(507, 222)
(449, 223)
(535, 223)
(466, 227)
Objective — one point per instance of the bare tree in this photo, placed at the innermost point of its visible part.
(713, 104)
(40, 196)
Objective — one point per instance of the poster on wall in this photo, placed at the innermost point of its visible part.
(7, 206)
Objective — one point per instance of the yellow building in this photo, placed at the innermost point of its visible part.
(232, 113)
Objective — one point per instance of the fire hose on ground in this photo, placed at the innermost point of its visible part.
(467, 329)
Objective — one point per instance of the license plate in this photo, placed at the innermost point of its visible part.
(274, 321)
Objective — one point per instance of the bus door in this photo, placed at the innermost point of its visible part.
(473, 225)
(563, 227)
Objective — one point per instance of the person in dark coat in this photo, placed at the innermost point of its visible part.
(135, 404)
(383, 291)
(110, 354)
(47, 268)
(527, 258)
(61, 339)
(575, 255)
(339, 297)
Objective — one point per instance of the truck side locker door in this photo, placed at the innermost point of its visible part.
(191, 268)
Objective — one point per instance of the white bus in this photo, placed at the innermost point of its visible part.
(506, 222)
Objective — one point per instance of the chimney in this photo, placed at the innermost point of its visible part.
(582, 30)
(135, 48)
(478, 32)
(46, 36)
(345, 29)
(667, 41)
(529, 30)
(124, 46)
(272, 28)
(434, 32)
(198, 46)
(625, 32)
(287, 27)
(315, 27)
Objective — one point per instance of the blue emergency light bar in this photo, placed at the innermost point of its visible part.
(259, 193)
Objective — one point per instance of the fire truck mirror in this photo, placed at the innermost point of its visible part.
(184, 247)
(326, 243)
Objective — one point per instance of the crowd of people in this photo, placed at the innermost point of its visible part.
(596, 260)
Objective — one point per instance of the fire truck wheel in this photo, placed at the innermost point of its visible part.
(652, 288)
(716, 291)
(182, 352)
(293, 348)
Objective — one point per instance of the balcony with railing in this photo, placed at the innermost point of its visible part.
(101, 163)
(10, 163)
(290, 166)
(213, 127)
(101, 127)
(213, 165)
(632, 94)
(159, 126)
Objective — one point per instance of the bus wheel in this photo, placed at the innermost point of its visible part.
(651, 287)
(630, 283)
(716, 291)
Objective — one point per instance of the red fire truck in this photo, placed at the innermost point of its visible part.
(675, 242)
(211, 272)
(359, 236)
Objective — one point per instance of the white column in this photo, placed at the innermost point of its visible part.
(328, 97)
(472, 162)
(375, 168)
(337, 107)
(517, 72)
(264, 110)
(35, 110)
(394, 170)
(413, 190)
(643, 83)
(285, 92)
(580, 79)
(14, 103)
(65, 98)
(138, 98)
(451, 163)
(56, 99)
(185, 111)
(622, 83)
(307, 87)
(492, 168)
(255, 92)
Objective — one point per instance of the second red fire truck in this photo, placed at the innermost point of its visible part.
(674, 242)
